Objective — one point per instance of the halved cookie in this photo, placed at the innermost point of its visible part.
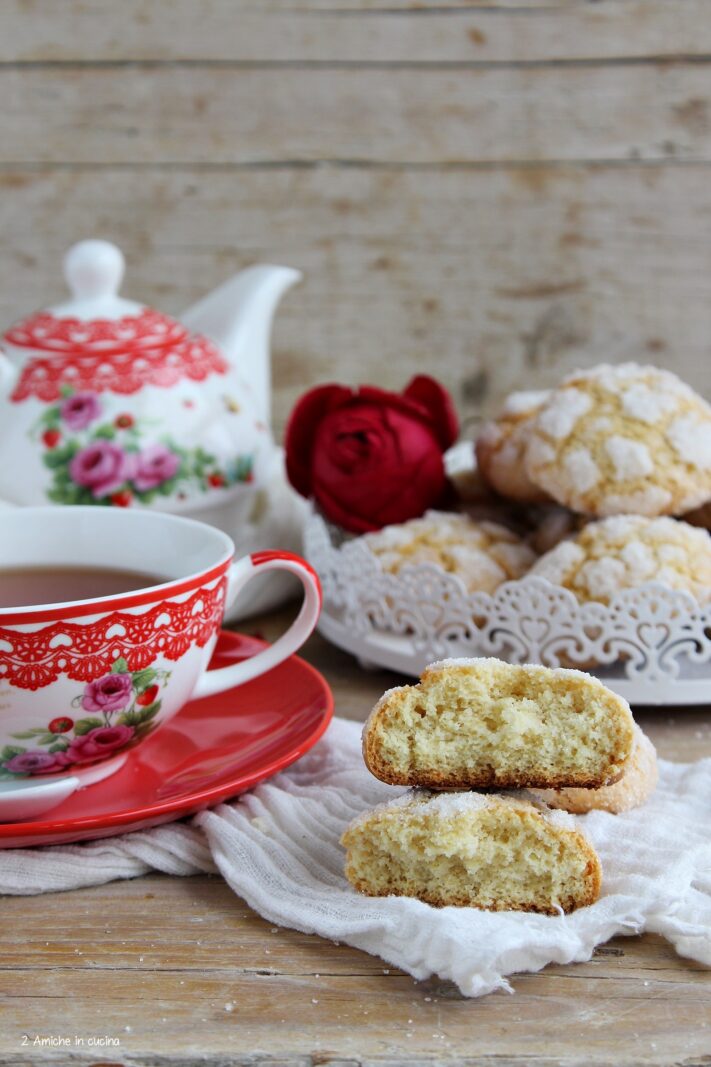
(485, 724)
(632, 790)
(491, 851)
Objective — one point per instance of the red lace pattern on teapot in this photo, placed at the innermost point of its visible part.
(84, 652)
(120, 356)
(148, 329)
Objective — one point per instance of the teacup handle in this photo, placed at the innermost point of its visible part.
(301, 628)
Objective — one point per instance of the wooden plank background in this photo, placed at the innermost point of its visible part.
(494, 191)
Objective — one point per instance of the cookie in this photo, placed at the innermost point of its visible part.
(502, 444)
(622, 439)
(486, 724)
(626, 551)
(501, 853)
(465, 477)
(632, 790)
(483, 554)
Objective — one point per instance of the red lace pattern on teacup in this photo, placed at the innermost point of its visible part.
(120, 356)
(86, 651)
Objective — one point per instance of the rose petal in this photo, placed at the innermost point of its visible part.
(301, 428)
(436, 399)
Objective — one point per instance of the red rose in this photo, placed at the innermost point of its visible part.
(369, 457)
(122, 499)
(60, 725)
(51, 438)
(148, 696)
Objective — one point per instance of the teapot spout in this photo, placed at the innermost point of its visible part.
(238, 317)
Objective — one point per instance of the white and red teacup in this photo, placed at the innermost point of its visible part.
(84, 681)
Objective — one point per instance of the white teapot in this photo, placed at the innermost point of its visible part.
(105, 401)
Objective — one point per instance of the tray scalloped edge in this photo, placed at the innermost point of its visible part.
(651, 644)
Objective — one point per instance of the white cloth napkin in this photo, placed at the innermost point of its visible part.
(277, 847)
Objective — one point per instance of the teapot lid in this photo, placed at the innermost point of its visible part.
(97, 319)
(99, 341)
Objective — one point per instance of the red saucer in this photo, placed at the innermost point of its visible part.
(213, 749)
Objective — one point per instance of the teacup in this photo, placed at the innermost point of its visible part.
(84, 681)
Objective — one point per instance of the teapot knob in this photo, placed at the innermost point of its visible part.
(94, 269)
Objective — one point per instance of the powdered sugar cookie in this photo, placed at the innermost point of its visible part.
(465, 476)
(483, 554)
(501, 446)
(622, 439)
(626, 551)
(474, 496)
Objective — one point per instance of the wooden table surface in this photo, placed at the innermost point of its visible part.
(179, 970)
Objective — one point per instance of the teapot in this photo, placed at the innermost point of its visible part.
(108, 402)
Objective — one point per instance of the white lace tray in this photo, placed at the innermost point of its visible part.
(652, 645)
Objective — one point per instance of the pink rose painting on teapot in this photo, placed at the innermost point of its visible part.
(110, 402)
(98, 459)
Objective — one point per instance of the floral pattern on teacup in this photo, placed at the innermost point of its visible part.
(94, 459)
(113, 712)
